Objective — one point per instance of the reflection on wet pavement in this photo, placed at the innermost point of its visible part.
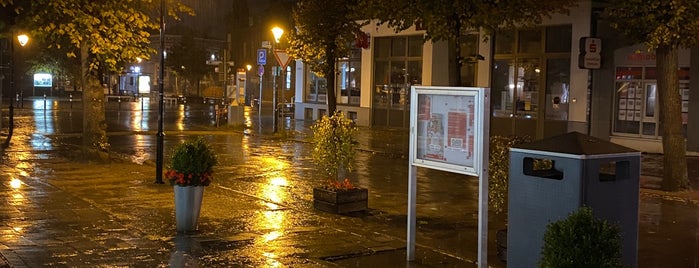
(259, 211)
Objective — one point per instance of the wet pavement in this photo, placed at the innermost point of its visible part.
(61, 210)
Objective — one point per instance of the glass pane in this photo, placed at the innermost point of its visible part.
(529, 41)
(625, 118)
(354, 82)
(527, 88)
(415, 72)
(504, 42)
(382, 48)
(398, 84)
(342, 79)
(558, 38)
(415, 44)
(469, 51)
(557, 88)
(398, 46)
(503, 87)
(650, 100)
(381, 87)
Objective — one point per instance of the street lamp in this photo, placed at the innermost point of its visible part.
(160, 136)
(22, 39)
(277, 32)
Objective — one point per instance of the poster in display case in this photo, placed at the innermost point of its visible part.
(447, 128)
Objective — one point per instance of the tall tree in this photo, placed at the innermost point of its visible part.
(324, 31)
(449, 19)
(188, 60)
(103, 35)
(665, 27)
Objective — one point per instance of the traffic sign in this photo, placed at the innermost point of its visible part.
(261, 56)
(282, 57)
(261, 70)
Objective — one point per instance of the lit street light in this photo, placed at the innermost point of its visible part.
(277, 32)
(22, 39)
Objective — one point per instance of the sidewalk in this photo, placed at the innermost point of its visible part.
(71, 214)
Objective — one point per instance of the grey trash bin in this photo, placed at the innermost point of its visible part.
(551, 178)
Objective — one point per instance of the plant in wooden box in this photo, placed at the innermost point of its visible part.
(333, 152)
(499, 171)
(190, 170)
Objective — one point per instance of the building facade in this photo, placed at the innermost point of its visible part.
(540, 86)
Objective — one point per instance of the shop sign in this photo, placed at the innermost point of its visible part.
(590, 49)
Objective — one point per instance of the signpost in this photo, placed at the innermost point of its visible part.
(449, 131)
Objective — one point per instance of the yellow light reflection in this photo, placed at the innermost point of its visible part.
(278, 181)
(273, 163)
(272, 235)
(15, 183)
(137, 121)
(179, 122)
(271, 261)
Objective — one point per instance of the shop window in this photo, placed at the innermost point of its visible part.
(469, 53)
(557, 89)
(504, 42)
(349, 78)
(529, 41)
(317, 88)
(636, 110)
(558, 38)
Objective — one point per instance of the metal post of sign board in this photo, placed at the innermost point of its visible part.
(449, 131)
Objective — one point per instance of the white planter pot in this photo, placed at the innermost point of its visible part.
(187, 206)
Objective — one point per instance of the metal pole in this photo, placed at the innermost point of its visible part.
(274, 95)
(11, 125)
(160, 135)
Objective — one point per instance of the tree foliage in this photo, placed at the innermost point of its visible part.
(446, 19)
(103, 35)
(663, 26)
(186, 59)
(323, 31)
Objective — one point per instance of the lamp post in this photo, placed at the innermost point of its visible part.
(22, 39)
(161, 134)
(277, 32)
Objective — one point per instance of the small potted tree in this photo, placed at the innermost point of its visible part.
(189, 171)
(334, 144)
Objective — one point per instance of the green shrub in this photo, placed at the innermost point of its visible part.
(580, 240)
(191, 163)
(499, 169)
(334, 145)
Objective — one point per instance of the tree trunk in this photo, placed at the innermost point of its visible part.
(94, 122)
(331, 100)
(674, 144)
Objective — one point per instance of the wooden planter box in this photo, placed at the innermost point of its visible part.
(341, 201)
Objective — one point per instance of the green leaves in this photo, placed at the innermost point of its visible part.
(499, 170)
(581, 241)
(334, 145)
(193, 157)
(656, 23)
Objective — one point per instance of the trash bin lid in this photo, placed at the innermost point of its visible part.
(576, 143)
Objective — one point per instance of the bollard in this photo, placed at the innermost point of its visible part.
(119, 100)
(44, 101)
(71, 100)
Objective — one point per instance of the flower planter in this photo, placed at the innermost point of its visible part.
(340, 201)
(187, 206)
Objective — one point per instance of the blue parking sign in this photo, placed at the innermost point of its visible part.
(261, 56)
